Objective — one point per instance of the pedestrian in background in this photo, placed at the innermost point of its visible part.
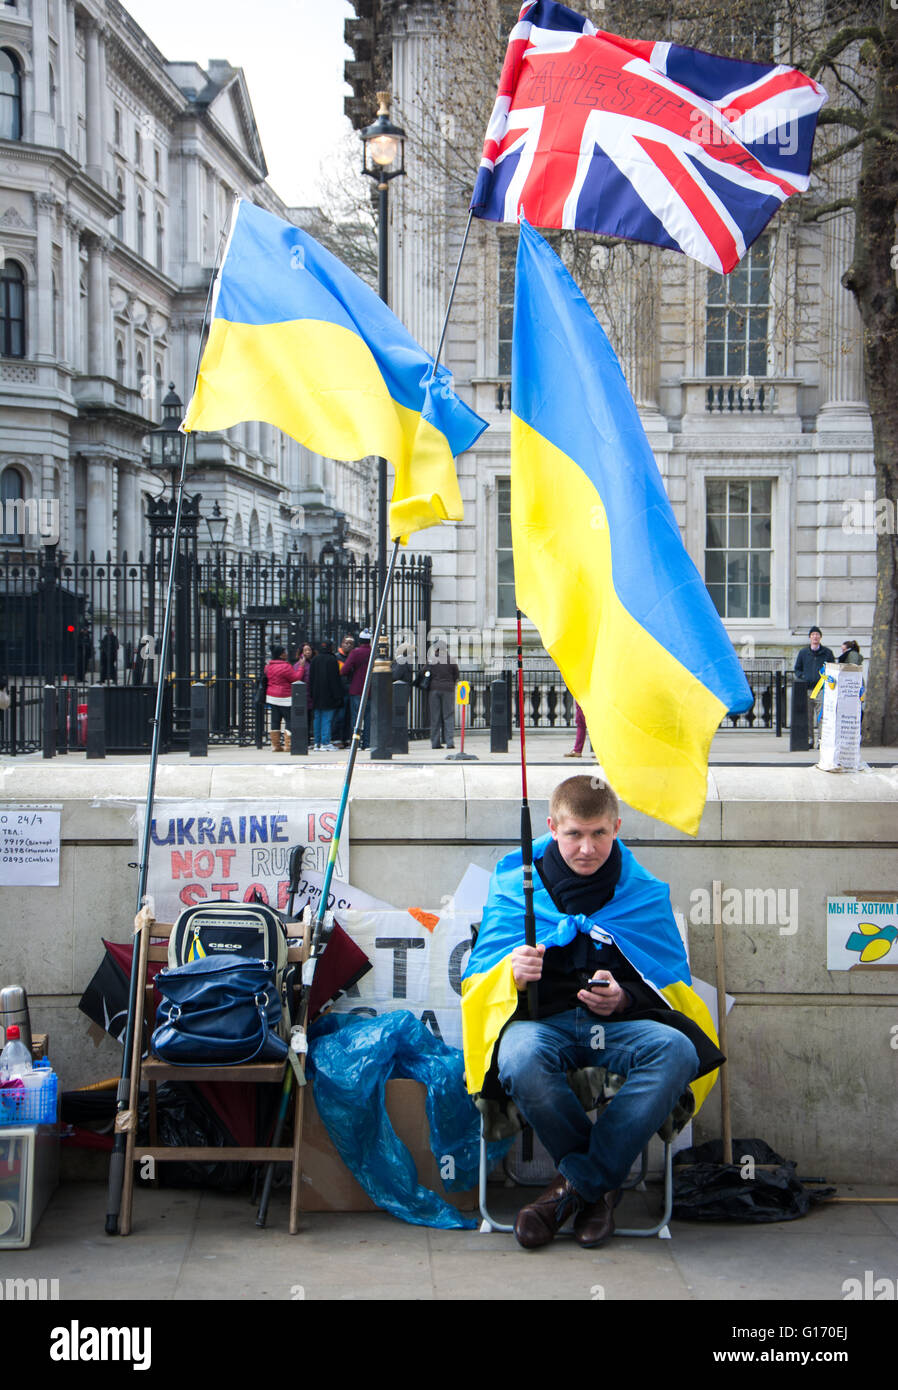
(580, 736)
(342, 732)
(280, 675)
(354, 668)
(108, 658)
(327, 696)
(851, 654)
(441, 695)
(809, 665)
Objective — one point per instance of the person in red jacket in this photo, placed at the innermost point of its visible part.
(354, 668)
(280, 675)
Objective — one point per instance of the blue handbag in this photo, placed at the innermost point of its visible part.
(221, 1010)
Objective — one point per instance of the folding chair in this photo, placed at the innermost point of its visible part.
(151, 1070)
(594, 1088)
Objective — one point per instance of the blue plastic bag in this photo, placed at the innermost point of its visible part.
(351, 1059)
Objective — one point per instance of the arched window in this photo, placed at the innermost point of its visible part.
(141, 384)
(12, 490)
(12, 310)
(141, 225)
(159, 393)
(160, 242)
(52, 92)
(120, 361)
(10, 96)
(120, 215)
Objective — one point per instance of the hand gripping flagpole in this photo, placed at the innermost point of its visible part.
(126, 1118)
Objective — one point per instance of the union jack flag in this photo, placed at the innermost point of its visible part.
(648, 141)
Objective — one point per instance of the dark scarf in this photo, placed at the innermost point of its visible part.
(579, 893)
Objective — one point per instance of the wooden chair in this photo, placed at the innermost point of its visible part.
(151, 1070)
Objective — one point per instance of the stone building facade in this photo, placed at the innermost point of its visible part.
(750, 388)
(118, 170)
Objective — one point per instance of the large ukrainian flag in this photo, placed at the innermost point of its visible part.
(301, 342)
(599, 564)
(638, 919)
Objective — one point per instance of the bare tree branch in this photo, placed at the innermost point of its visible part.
(842, 40)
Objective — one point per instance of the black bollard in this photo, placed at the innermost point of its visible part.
(299, 718)
(198, 741)
(62, 719)
(799, 733)
(401, 694)
(96, 721)
(499, 716)
(381, 694)
(49, 722)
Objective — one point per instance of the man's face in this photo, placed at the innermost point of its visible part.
(584, 845)
(348, 644)
(814, 641)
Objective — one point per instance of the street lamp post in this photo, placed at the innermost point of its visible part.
(217, 526)
(383, 146)
(166, 448)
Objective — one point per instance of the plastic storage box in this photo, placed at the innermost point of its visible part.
(29, 1175)
(30, 1105)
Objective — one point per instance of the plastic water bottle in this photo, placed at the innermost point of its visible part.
(15, 1059)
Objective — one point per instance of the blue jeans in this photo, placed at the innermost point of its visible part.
(658, 1062)
(321, 725)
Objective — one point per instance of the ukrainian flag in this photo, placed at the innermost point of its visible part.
(301, 342)
(599, 564)
(638, 920)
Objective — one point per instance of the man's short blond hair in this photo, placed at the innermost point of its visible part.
(584, 798)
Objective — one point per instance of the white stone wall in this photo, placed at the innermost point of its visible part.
(112, 315)
(811, 1058)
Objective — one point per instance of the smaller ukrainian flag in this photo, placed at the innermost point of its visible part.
(299, 341)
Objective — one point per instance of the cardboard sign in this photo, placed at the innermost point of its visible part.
(29, 846)
(229, 850)
(418, 958)
(840, 729)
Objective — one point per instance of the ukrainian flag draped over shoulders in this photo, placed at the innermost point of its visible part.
(299, 341)
(599, 564)
(638, 919)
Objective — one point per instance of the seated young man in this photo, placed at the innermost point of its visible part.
(613, 990)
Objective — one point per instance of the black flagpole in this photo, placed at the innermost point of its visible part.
(526, 835)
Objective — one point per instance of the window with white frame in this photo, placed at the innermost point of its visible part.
(737, 314)
(506, 605)
(738, 545)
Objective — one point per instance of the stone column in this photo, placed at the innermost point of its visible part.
(129, 522)
(99, 487)
(95, 115)
(45, 208)
(843, 394)
(98, 363)
(43, 124)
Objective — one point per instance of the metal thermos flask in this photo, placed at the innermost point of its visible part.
(14, 1009)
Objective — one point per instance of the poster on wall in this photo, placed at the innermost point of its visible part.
(228, 850)
(29, 846)
(860, 932)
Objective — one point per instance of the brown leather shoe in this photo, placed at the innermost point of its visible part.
(595, 1222)
(540, 1221)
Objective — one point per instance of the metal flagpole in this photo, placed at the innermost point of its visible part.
(125, 1120)
(526, 834)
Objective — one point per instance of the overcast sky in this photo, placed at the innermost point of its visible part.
(292, 54)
